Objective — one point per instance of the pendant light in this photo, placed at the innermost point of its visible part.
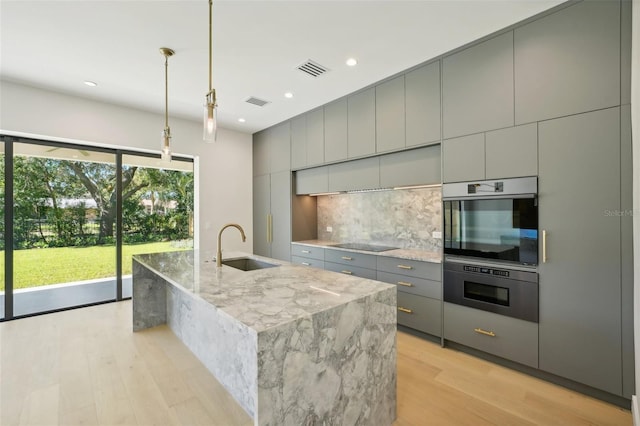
(211, 106)
(166, 133)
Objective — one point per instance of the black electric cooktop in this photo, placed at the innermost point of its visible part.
(364, 247)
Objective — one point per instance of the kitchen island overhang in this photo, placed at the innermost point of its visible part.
(293, 345)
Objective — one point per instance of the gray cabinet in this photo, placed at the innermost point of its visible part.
(315, 137)
(506, 337)
(419, 291)
(390, 115)
(504, 153)
(312, 181)
(422, 105)
(361, 119)
(307, 139)
(335, 131)
(299, 142)
(272, 150)
(463, 158)
(580, 281)
(350, 263)
(272, 215)
(272, 192)
(414, 167)
(477, 88)
(307, 255)
(355, 175)
(512, 152)
(568, 62)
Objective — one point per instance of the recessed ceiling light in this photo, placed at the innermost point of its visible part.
(288, 95)
(352, 62)
(242, 120)
(90, 83)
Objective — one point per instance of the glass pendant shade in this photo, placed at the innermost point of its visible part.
(210, 120)
(165, 154)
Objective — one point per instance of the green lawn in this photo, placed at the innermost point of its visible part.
(36, 267)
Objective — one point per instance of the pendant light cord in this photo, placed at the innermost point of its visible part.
(166, 91)
(210, 45)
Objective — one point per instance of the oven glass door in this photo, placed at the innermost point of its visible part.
(502, 229)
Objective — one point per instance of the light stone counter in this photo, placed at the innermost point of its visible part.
(293, 345)
(410, 254)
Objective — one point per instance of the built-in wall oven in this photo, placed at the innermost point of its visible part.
(491, 246)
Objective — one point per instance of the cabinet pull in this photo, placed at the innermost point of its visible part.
(485, 332)
(404, 283)
(347, 272)
(305, 251)
(544, 246)
(405, 310)
(306, 263)
(405, 267)
(347, 258)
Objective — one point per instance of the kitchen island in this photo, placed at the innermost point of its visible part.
(293, 345)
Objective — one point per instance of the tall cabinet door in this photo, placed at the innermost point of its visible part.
(261, 212)
(580, 282)
(281, 215)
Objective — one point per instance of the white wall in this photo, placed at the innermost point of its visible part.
(635, 132)
(225, 167)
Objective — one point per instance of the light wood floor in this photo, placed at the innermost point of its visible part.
(86, 367)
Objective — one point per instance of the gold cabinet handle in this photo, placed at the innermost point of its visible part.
(306, 263)
(405, 267)
(485, 332)
(305, 251)
(347, 258)
(405, 310)
(347, 272)
(269, 228)
(404, 283)
(544, 246)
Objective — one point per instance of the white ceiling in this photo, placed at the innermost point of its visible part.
(57, 44)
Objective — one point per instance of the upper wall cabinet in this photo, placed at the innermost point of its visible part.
(463, 158)
(512, 152)
(422, 104)
(361, 118)
(307, 139)
(271, 150)
(478, 87)
(568, 62)
(390, 115)
(413, 167)
(335, 131)
(355, 175)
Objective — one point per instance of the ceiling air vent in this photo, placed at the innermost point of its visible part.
(255, 101)
(313, 69)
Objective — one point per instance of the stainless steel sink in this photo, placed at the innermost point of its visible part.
(248, 264)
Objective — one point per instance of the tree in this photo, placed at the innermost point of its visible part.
(100, 181)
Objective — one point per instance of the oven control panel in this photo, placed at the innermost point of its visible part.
(484, 270)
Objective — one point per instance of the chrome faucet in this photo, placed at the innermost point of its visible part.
(219, 254)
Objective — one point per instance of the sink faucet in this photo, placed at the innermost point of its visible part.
(219, 254)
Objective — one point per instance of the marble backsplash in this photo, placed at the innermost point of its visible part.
(401, 218)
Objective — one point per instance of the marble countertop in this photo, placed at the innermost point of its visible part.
(263, 298)
(410, 254)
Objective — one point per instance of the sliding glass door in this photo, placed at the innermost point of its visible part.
(157, 209)
(79, 215)
(64, 212)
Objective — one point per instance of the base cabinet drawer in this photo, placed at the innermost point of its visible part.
(506, 337)
(356, 271)
(351, 258)
(417, 286)
(307, 262)
(413, 268)
(420, 313)
(307, 251)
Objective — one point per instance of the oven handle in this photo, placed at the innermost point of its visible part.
(544, 246)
